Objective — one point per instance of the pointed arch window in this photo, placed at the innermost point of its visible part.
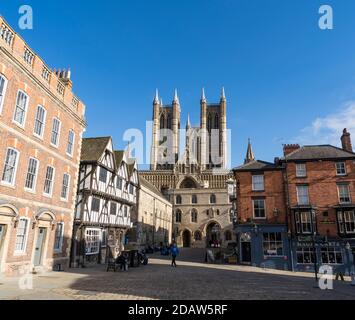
(194, 215)
(162, 121)
(209, 122)
(169, 122)
(178, 199)
(216, 121)
(178, 215)
(213, 199)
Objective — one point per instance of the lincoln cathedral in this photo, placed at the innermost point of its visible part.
(194, 180)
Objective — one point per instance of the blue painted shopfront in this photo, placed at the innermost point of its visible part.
(264, 246)
(337, 253)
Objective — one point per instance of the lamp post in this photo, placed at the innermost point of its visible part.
(314, 231)
(232, 193)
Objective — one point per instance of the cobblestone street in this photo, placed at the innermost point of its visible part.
(190, 280)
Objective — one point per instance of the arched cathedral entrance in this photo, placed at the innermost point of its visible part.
(213, 234)
(186, 239)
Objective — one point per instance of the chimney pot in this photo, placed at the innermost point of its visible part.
(288, 148)
(346, 141)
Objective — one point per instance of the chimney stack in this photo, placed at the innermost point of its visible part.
(288, 148)
(346, 141)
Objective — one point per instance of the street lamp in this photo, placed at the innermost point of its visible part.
(314, 231)
(232, 193)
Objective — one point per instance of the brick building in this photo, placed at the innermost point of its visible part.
(41, 124)
(261, 229)
(306, 197)
(321, 192)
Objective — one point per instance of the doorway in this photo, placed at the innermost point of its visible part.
(213, 234)
(246, 252)
(39, 246)
(186, 239)
(2, 240)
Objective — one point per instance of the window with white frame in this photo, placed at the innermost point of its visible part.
(65, 186)
(304, 221)
(259, 208)
(31, 177)
(341, 168)
(21, 235)
(119, 183)
(103, 174)
(258, 183)
(95, 204)
(113, 208)
(346, 222)
(272, 244)
(70, 145)
(21, 108)
(40, 121)
(301, 170)
(48, 181)
(92, 241)
(331, 255)
(59, 235)
(131, 188)
(305, 255)
(302, 195)
(3, 85)
(55, 131)
(344, 193)
(10, 166)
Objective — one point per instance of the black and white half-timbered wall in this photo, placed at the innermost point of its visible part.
(106, 195)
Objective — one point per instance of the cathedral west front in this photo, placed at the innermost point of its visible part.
(193, 178)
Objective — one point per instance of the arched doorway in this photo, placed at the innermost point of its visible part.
(186, 239)
(213, 234)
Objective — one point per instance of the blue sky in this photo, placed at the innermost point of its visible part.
(286, 80)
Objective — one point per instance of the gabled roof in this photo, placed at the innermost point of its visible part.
(257, 165)
(93, 148)
(319, 152)
(119, 154)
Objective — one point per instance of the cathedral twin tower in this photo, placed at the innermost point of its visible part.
(205, 146)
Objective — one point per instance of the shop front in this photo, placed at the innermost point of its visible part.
(263, 246)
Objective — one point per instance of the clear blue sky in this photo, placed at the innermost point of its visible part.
(280, 71)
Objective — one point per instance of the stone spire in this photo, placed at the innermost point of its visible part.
(161, 101)
(250, 154)
(223, 95)
(176, 98)
(188, 123)
(156, 98)
(203, 97)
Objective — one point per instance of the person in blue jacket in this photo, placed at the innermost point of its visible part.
(174, 253)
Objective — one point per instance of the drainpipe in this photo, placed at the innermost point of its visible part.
(288, 210)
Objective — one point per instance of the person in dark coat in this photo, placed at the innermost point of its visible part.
(174, 254)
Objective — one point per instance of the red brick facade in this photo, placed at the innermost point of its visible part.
(25, 72)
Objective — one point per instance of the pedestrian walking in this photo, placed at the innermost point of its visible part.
(174, 254)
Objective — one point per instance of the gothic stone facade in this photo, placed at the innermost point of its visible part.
(193, 180)
(41, 124)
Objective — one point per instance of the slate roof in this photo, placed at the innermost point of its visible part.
(148, 185)
(257, 165)
(93, 148)
(319, 152)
